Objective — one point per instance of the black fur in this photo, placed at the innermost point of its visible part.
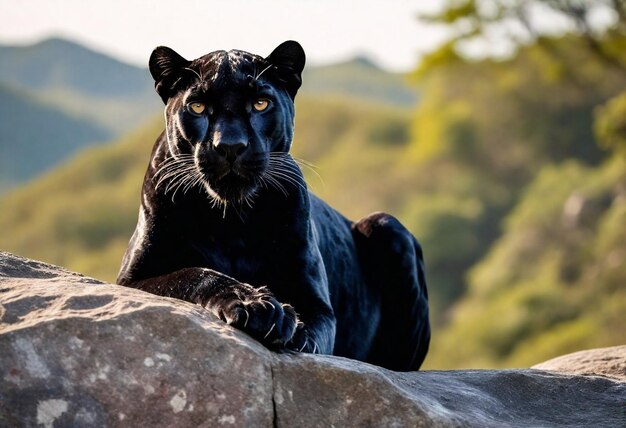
(226, 221)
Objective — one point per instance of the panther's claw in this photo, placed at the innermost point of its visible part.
(258, 313)
(270, 330)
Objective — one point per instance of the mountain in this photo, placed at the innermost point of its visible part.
(120, 96)
(359, 78)
(95, 97)
(35, 136)
(61, 63)
(57, 97)
(82, 82)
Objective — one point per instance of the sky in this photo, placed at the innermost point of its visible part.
(330, 31)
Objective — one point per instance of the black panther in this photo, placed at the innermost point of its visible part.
(226, 221)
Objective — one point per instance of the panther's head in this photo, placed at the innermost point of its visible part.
(229, 119)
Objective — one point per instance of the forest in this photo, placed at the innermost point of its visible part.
(510, 169)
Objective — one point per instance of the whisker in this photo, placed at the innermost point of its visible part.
(293, 173)
(285, 167)
(174, 169)
(314, 346)
(248, 198)
(172, 175)
(311, 168)
(195, 72)
(175, 184)
(269, 181)
(176, 173)
(282, 167)
(193, 181)
(171, 163)
(301, 161)
(264, 70)
(182, 157)
(287, 178)
(165, 166)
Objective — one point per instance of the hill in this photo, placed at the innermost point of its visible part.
(57, 62)
(34, 136)
(80, 81)
(57, 97)
(510, 147)
(89, 204)
(554, 282)
(120, 96)
(359, 78)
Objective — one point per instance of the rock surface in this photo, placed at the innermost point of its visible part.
(609, 362)
(77, 352)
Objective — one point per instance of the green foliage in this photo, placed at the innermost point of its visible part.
(610, 125)
(453, 11)
(508, 123)
(443, 57)
(446, 226)
(391, 132)
(482, 131)
(515, 23)
(553, 283)
(510, 115)
(356, 162)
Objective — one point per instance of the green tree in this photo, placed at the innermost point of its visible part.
(610, 125)
(520, 136)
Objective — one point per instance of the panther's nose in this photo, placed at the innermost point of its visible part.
(230, 150)
(229, 141)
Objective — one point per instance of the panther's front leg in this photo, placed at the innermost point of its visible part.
(253, 310)
(317, 324)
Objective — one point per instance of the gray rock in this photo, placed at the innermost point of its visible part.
(77, 352)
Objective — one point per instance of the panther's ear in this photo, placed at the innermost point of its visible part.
(288, 60)
(166, 67)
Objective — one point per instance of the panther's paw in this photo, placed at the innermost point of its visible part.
(260, 315)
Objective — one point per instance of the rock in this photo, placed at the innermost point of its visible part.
(77, 352)
(340, 392)
(609, 362)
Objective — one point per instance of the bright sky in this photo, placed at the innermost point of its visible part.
(329, 30)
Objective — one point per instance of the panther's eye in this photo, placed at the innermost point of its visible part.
(197, 108)
(261, 104)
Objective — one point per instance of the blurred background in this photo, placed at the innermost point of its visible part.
(495, 130)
